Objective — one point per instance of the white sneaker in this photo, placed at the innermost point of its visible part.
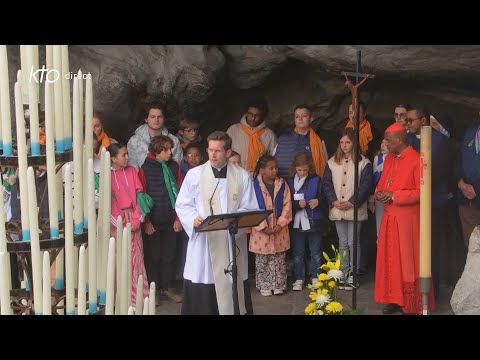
(314, 281)
(350, 285)
(278, 291)
(266, 292)
(298, 285)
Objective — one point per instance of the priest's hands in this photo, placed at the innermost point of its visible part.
(198, 220)
(148, 227)
(467, 189)
(177, 226)
(302, 203)
(384, 197)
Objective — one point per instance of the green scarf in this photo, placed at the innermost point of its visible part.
(97, 181)
(170, 182)
(5, 182)
(145, 203)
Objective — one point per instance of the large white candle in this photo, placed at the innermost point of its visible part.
(49, 64)
(26, 65)
(35, 242)
(100, 243)
(82, 122)
(60, 195)
(88, 136)
(51, 164)
(92, 241)
(110, 296)
(125, 290)
(34, 122)
(36, 61)
(69, 251)
(139, 296)
(6, 127)
(89, 117)
(119, 263)
(4, 290)
(49, 56)
(108, 197)
(82, 296)
(32, 88)
(77, 159)
(67, 111)
(129, 261)
(146, 308)
(58, 102)
(22, 163)
(75, 267)
(59, 272)
(47, 290)
(105, 216)
(151, 296)
(80, 95)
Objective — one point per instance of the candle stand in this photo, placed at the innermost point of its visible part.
(22, 299)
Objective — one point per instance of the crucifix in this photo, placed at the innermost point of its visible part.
(355, 107)
(354, 87)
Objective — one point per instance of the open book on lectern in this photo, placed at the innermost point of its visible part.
(245, 218)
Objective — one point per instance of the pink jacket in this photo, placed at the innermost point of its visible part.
(125, 186)
(262, 243)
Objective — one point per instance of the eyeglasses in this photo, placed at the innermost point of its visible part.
(399, 115)
(191, 130)
(191, 156)
(412, 120)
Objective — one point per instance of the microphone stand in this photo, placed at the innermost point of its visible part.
(233, 229)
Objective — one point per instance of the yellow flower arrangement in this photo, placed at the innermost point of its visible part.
(324, 293)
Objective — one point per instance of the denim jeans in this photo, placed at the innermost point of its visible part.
(298, 246)
(345, 244)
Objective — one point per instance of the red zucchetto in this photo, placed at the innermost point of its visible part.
(395, 127)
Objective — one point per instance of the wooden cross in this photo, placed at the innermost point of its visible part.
(356, 119)
(354, 88)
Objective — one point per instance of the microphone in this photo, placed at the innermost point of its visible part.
(210, 201)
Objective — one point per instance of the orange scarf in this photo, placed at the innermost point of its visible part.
(365, 134)
(318, 155)
(255, 146)
(104, 139)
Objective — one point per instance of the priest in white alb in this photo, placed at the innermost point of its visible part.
(215, 187)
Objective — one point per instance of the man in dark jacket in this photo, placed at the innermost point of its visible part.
(468, 173)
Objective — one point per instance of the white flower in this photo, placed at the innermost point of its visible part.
(323, 299)
(336, 274)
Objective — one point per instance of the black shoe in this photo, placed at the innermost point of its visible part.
(362, 272)
(390, 309)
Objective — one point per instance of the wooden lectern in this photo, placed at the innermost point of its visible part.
(232, 222)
